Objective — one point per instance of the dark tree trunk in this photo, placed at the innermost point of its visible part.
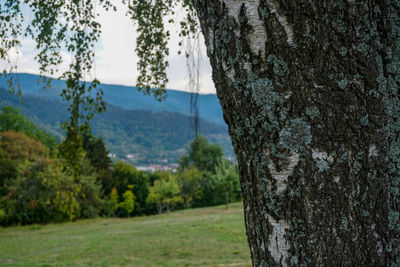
(309, 90)
(160, 208)
(186, 203)
(226, 199)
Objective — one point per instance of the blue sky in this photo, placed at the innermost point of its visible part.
(115, 57)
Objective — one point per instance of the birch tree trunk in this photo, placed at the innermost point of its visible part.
(309, 90)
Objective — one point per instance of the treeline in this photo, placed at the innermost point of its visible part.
(38, 186)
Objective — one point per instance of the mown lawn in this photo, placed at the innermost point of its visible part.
(196, 237)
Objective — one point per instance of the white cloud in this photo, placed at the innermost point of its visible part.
(18, 57)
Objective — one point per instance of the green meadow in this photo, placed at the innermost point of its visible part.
(193, 237)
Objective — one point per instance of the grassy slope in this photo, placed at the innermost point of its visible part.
(197, 237)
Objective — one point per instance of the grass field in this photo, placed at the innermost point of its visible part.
(196, 237)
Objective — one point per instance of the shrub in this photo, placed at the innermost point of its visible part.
(43, 194)
(126, 207)
(88, 197)
(110, 204)
(124, 175)
(164, 194)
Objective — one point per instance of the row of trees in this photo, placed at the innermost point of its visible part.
(204, 178)
(37, 185)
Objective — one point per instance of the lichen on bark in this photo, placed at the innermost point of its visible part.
(313, 113)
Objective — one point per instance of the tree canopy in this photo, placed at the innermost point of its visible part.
(202, 155)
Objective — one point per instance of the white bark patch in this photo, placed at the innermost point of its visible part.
(234, 7)
(247, 209)
(278, 246)
(259, 35)
(273, 6)
(309, 209)
(247, 66)
(210, 45)
(281, 177)
(229, 72)
(318, 155)
(288, 95)
(373, 151)
(318, 86)
(379, 245)
(262, 246)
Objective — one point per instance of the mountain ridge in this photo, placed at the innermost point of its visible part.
(127, 97)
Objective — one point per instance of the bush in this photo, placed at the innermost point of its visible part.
(3, 216)
(124, 175)
(110, 203)
(164, 194)
(88, 197)
(126, 207)
(43, 194)
(21, 147)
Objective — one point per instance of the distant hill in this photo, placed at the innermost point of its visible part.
(151, 137)
(128, 97)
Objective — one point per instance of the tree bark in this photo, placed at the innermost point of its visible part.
(160, 208)
(309, 90)
(186, 202)
(226, 199)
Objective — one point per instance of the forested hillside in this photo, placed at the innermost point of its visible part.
(127, 97)
(150, 136)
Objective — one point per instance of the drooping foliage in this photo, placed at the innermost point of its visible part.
(72, 27)
(152, 41)
(57, 27)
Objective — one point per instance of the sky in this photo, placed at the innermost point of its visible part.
(116, 59)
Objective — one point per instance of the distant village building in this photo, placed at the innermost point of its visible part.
(158, 167)
(130, 156)
(144, 168)
(112, 155)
